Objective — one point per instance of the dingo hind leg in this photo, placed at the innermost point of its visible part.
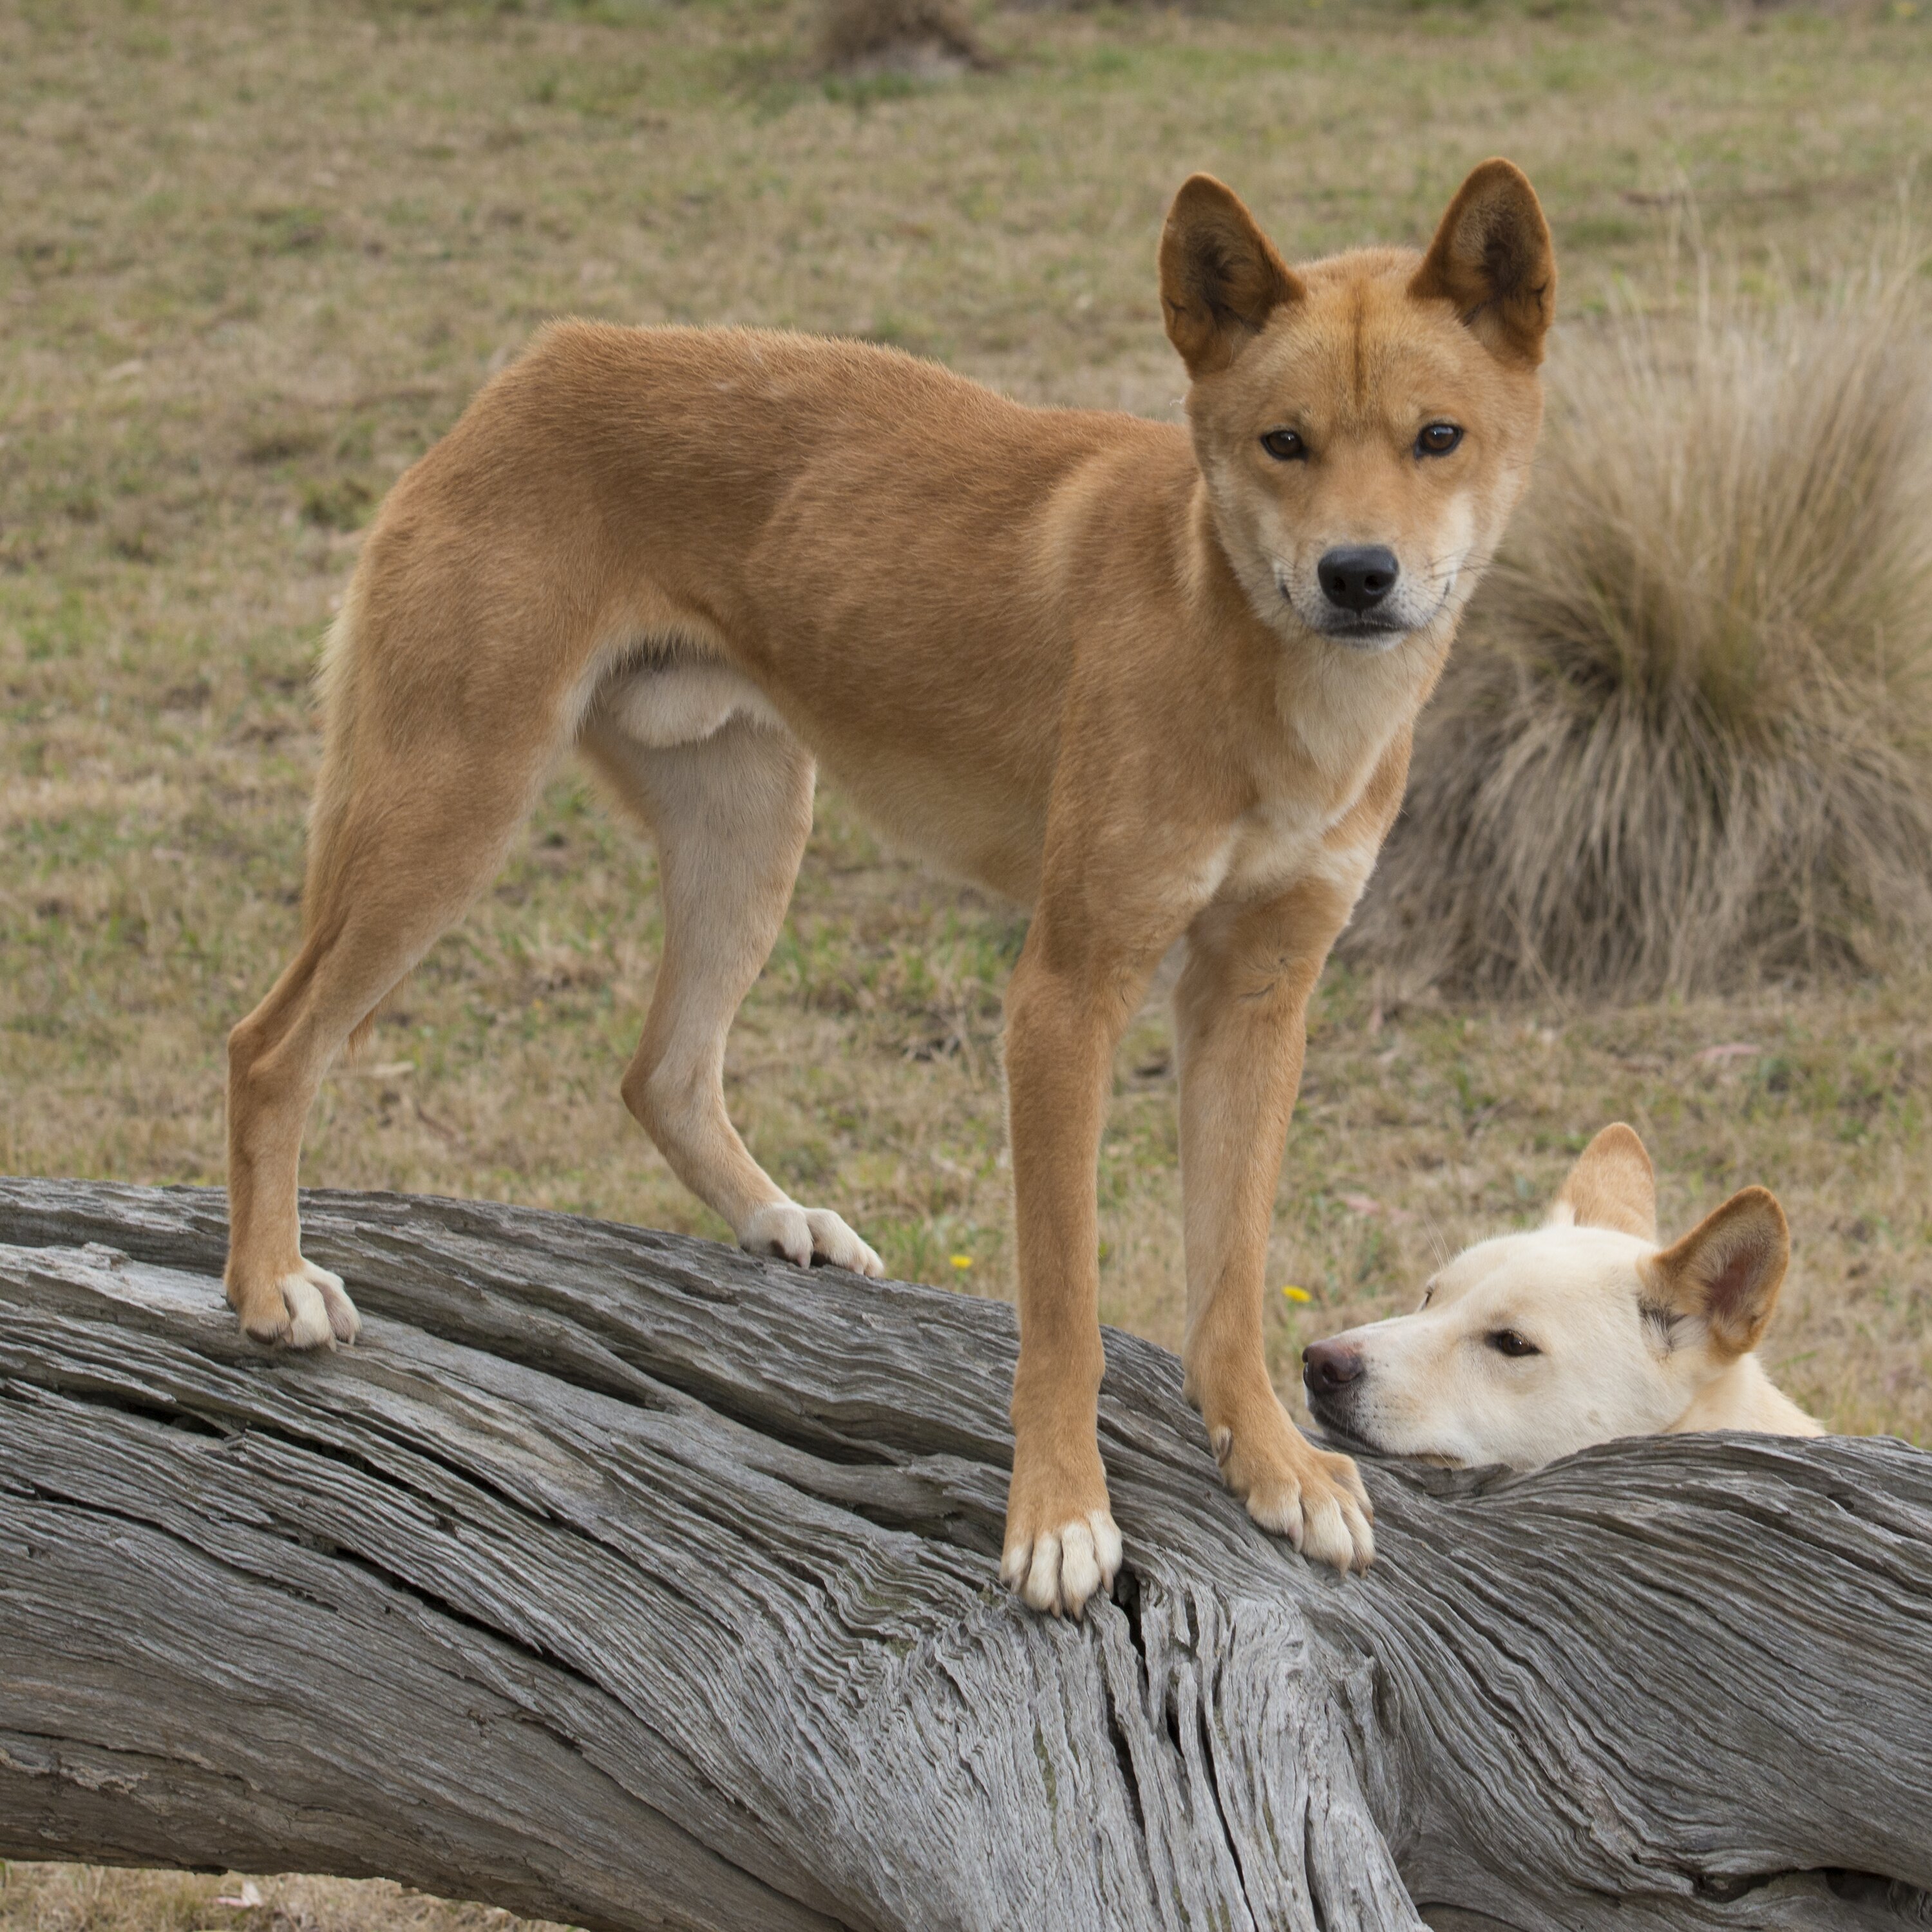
(730, 813)
(417, 801)
(1239, 1028)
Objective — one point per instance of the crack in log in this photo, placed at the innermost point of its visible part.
(1873, 1887)
(1311, 1863)
(1127, 1595)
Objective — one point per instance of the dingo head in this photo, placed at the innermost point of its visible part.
(1365, 423)
(1529, 1346)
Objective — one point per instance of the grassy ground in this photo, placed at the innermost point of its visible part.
(92, 1898)
(257, 257)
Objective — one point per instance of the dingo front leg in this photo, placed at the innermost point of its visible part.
(1240, 1030)
(1061, 1544)
(1062, 1026)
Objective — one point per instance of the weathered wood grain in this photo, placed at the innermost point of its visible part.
(628, 1580)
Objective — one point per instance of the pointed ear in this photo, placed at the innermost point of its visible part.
(1220, 278)
(1612, 1186)
(1728, 1270)
(1491, 261)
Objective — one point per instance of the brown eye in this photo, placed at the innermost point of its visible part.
(1284, 445)
(1438, 439)
(1507, 1342)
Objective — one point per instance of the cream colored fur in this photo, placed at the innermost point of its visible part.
(1530, 1346)
(1087, 660)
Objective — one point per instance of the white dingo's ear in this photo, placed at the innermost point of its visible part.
(1612, 1186)
(1220, 277)
(1492, 259)
(1727, 1269)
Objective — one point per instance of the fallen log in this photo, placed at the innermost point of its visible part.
(624, 1579)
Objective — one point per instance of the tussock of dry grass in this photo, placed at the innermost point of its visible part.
(897, 36)
(1687, 734)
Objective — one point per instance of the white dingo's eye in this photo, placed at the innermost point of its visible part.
(1285, 445)
(1507, 1342)
(1438, 439)
(1428, 1296)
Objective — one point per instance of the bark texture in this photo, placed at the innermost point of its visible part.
(625, 1580)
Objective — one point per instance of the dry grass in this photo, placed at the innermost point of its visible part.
(929, 38)
(259, 255)
(88, 1898)
(1687, 737)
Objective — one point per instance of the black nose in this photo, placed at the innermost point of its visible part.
(1359, 577)
(1328, 1365)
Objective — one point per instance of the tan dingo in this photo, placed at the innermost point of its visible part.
(1157, 683)
(1530, 1346)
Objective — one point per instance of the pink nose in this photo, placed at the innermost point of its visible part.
(1327, 1366)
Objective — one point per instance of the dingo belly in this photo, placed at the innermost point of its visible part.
(680, 700)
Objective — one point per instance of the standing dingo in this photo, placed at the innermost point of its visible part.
(1158, 683)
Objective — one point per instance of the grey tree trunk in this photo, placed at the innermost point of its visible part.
(625, 1580)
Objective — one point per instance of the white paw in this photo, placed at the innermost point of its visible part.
(801, 1234)
(320, 1314)
(1335, 1532)
(832, 1240)
(1060, 1570)
(344, 1324)
(1323, 1509)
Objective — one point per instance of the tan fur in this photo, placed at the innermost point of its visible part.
(1087, 660)
(1532, 1346)
(1612, 1185)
